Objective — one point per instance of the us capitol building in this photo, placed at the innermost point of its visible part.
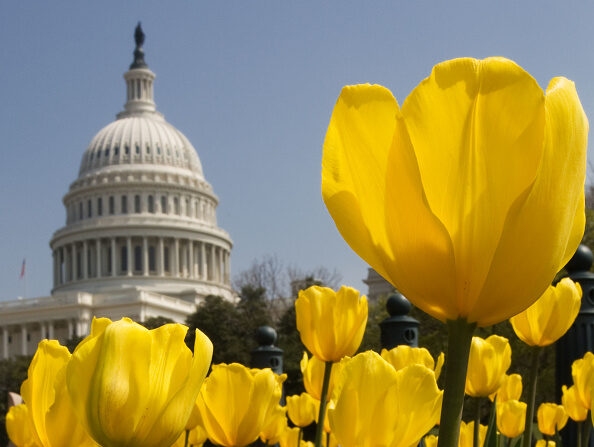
(141, 238)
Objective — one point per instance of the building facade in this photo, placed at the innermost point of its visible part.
(141, 237)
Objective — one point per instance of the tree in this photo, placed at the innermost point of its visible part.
(155, 322)
(13, 373)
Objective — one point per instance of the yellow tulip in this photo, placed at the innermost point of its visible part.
(431, 441)
(404, 355)
(511, 417)
(551, 417)
(136, 387)
(550, 316)
(236, 403)
(544, 443)
(290, 438)
(467, 434)
(196, 438)
(331, 324)
(47, 400)
(330, 440)
(377, 405)
(312, 370)
(510, 389)
(582, 371)
(477, 168)
(275, 426)
(302, 409)
(489, 360)
(572, 404)
(20, 428)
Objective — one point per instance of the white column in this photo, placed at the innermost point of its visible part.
(5, 342)
(160, 255)
(202, 261)
(113, 257)
(55, 259)
(184, 252)
(176, 257)
(70, 328)
(129, 254)
(23, 339)
(98, 258)
(74, 272)
(50, 332)
(218, 261)
(85, 261)
(191, 258)
(43, 330)
(145, 266)
(211, 263)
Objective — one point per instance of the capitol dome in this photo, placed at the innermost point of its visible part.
(141, 213)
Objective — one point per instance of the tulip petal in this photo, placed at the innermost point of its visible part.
(354, 166)
(477, 131)
(543, 229)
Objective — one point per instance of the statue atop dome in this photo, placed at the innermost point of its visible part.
(138, 51)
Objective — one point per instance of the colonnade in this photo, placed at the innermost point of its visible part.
(140, 256)
(25, 334)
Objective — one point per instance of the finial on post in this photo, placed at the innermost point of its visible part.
(138, 51)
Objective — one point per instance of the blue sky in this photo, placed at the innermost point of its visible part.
(252, 84)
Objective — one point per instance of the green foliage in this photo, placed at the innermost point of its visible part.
(230, 327)
(73, 342)
(12, 373)
(375, 315)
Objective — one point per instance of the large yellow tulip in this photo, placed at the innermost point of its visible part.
(572, 404)
(331, 324)
(377, 405)
(511, 417)
(135, 387)
(551, 418)
(404, 355)
(547, 320)
(489, 361)
(312, 370)
(20, 427)
(236, 403)
(302, 409)
(275, 426)
(510, 389)
(52, 415)
(476, 182)
(582, 371)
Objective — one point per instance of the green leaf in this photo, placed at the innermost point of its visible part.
(491, 437)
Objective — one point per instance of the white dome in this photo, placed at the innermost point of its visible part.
(142, 138)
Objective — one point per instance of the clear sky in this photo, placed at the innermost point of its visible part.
(252, 85)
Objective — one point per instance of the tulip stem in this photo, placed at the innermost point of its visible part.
(580, 432)
(532, 378)
(477, 422)
(459, 339)
(323, 403)
(187, 438)
(586, 427)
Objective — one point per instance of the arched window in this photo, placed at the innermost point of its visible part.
(152, 260)
(151, 204)
(111, 205)
(137, 203)
(99, 206)
(166, 258)
(80, 211)
(137, 258)
(89, 208)
(176, 205)
(164, 204)
(124, 205)
(188, 208)
(124, 258)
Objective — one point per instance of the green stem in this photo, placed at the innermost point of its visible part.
(587, 425)
(187, 438)
(477, 422)
(323, 402)
(459, 339)
(527, 441)
(328, 439)
(299, 437)
(580, 432)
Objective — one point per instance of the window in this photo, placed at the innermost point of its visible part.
(124, 205)
(124, 259)
(111, 205)
(99, 206)
(148, 149)
(89, 208)
(188, 207)
(158, 150)
(79, 270)
(152, 263)
(80, 211)
(99, 153)
(116, 150)
(137, 258)
(137, 204)
(109, 266)
(127, 149)
(176, 205)
(151, 204)
(166, 258)
(137, 149)
(107, 152)
(92, 156)
(164, 204)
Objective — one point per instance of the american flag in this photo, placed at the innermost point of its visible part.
(23, 269)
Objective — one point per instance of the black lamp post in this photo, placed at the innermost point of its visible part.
(399, 328)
